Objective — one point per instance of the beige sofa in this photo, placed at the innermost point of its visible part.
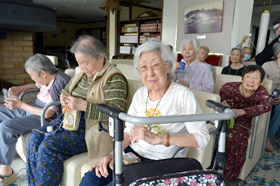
(258, 136)
(78, 165)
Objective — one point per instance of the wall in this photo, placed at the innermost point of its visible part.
(220, 45)
(14, 51)
(136, 11)
(66, 33)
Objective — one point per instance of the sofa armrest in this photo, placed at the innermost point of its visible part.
(176, 149)
(21, 95)
(45, 109)
(253, 137)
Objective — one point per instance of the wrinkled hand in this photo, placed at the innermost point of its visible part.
(63, 98)
(239, 112)
(13, 103)
(142, 133)
(101, 168)
(182, 82)
(15, 90)
(75, 103)
(224, 102)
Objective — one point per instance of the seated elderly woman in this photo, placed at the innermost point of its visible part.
(247, 99)
(202, 54)
(96, 81)
(18, 118)
(159, 96)
(272, 71)
(195, 75)
(236, 66)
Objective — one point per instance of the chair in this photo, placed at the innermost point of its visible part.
(214, 60)
(121, 61)
(76, 166)
(128, 71)
(179, 57)
(217, 70)
(257, 138)
(203, 155)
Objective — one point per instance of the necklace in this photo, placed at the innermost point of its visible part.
(159, 100)
(234, 69)
(230, 70)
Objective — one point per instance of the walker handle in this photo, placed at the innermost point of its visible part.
(216, 106)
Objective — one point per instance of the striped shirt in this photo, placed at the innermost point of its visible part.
(116, 90)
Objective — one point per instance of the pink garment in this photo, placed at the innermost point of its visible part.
(198, 75)
(44, 94)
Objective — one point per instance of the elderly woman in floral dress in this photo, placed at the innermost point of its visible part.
(247, 99)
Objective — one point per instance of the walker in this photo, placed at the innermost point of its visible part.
(116, 118)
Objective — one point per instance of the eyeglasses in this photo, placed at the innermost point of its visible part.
(155, 66)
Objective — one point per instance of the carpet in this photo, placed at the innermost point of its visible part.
(267, 170)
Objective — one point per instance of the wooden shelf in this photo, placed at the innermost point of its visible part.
(132, 33)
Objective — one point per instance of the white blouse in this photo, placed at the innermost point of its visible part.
(178, 100)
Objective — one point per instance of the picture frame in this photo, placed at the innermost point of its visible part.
(203, 18)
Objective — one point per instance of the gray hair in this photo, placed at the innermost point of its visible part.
(189, 40)
(164, 52)
(276, 50)
(39, 62)
(239, 49)
(89, 46)
(205, 48)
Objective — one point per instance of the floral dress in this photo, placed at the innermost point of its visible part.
(237, 138)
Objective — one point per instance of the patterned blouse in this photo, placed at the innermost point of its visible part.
(256, 104)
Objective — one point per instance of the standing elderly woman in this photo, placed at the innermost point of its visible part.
(159, 96)
(96, 81)
(197, 75)
(272, 71)
(236, 66)
(18, 118)
(247, 99)
(202, 54)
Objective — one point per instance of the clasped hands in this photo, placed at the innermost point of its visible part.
(73, 102)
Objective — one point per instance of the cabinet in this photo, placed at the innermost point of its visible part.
(135, 32)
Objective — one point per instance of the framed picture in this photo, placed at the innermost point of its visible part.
(203, 18)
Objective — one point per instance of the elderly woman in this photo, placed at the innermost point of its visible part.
(236, 66)
(196, 75)
(202, 54)
(159, 96)
(272, 71)
(96, 81)
(18, 118)
(247, 99)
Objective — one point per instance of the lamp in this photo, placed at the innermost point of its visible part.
(110, 5)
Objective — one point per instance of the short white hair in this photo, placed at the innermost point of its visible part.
(189, 40)
(164, 52)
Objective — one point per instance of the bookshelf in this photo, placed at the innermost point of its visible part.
(132, 33)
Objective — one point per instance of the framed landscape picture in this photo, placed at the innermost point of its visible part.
(203, 18)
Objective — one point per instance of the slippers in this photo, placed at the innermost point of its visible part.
(8, 180)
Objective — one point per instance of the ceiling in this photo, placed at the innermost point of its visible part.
(86, 11)
(258, 8)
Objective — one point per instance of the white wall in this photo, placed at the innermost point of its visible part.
(241, 22)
